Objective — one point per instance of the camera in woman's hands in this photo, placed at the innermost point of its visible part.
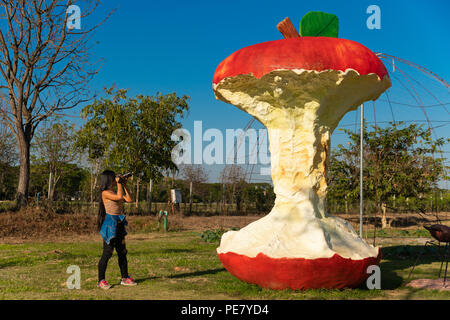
(124, 177)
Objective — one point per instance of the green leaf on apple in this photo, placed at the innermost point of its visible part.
(319, 24)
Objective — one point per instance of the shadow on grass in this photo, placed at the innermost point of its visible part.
(42, 258)
(184, 275)
(390, 280)
(10, 264)
(400, 260)
(174, 250)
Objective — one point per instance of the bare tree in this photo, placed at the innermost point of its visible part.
(232, 174)
(8, 155)
(45, 66)
(233, 177)
(55, 149)
(95, 167)
(193, 173)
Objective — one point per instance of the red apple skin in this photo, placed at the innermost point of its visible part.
(309, 53)
(299, 273)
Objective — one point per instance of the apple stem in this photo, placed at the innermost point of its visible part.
(287, 29)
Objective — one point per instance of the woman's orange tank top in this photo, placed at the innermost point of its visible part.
(113, 207)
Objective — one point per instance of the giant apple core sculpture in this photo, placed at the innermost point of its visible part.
(300, 89)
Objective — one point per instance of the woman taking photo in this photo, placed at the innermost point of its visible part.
(111, 224)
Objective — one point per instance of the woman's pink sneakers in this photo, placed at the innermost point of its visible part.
(128, 282)
(125, 282)
(104, 285)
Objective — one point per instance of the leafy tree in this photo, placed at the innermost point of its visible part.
(233, 177)
(72, 182)
(8, 153)
(45, 68)
(343, 176)
(8, 157)
(197, 175)
(133, 134)
(193, 173)
(55, 149)
(261, 194)
(8, 181)
(398, 160)
(69, 184)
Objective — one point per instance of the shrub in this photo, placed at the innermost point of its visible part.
(214, 235)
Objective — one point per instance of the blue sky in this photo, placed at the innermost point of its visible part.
(167, 46)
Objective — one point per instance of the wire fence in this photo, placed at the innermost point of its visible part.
(432, 204)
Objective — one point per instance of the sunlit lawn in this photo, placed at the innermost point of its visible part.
(179, 265)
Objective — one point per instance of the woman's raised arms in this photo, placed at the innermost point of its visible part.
(119, 196)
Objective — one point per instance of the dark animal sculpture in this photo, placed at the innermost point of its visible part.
(441, 233)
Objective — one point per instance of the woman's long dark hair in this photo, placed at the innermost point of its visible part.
(106, 180)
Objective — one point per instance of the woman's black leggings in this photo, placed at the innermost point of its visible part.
(117, 243)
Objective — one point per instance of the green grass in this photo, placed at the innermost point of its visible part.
(177, 265)
(404, 233)
(7, 205)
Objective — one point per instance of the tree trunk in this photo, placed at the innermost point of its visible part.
(53, 181)
(346, 205)
(137, 192)
(50, 187)
(24, 174)
(149, 196)
(223, 198)
(383, 217)
(238, 204)
(238, 198)
(92, 186)
(94, 180)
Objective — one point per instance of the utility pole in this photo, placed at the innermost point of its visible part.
(190, 198)
(361, 202)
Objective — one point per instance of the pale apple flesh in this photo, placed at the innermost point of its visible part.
(300, 109)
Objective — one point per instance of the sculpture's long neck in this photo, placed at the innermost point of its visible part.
(299, 155)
